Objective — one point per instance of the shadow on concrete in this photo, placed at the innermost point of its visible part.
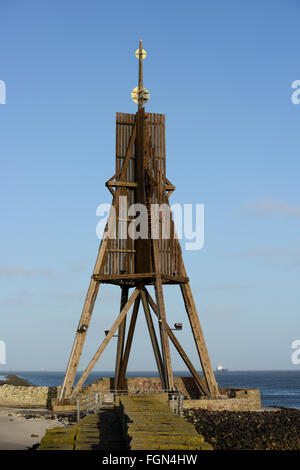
(110, 431)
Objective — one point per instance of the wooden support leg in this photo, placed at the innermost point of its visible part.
(162, 320)
(105, 342)
(154, 341)
(94, 285)
(86, 314)
(199, 340)
(79, 339)
(121, 335)
(199, 382)
(124, 362)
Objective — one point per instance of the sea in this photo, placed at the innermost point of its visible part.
(277, 388)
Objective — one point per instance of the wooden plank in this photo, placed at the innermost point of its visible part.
(124, 123)
(147, 242)
(100, 277)
(131, 244)
(79, 339)
(175, 279)
(123, 184)
(171, 247)
(116, 267)
(125, 358)
(161, 138)
(154, 342)
(142, 261)
(162, 320)
(104, 343)
(199, 340)
(133, 157)
(121, 251)
(121, 336)
(120, 215)
(127, 192)
(140, 276)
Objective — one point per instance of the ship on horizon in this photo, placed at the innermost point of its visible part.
(221, 368)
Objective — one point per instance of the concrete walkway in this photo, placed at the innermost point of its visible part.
(141, 423)
(99, 431)
(150, 424)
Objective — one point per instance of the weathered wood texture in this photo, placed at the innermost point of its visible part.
(144, 182)
(140, 178)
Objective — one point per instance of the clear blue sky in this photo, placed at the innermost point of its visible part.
(222, 74)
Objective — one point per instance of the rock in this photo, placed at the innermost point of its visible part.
(248, 430)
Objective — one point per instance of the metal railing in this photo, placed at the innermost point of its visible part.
(88, 404)
(175, 397)
(175, 403)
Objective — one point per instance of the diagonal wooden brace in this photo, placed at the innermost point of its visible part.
(179, 348)
(105, 342)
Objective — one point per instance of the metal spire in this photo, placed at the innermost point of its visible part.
(139, 94)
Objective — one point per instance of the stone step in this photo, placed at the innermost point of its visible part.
(151, 425)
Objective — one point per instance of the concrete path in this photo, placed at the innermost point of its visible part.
(99, 431)
(150, 424)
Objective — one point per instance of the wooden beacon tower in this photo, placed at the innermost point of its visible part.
(132, 262)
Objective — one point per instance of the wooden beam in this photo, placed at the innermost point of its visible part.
(79, 340)
(199, 340)
(175, 279)
(105, 342)
(122, 184)
(154, 341)
(121, 335)
(162, 319)
(137, 276)
(141, 259)
(180, 350)
(94, 286)
(198, 335)
(85, 316)
(125, 359)
(117, 250)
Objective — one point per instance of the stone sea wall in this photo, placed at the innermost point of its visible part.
(34, 397)
(232, 399)
(242, 400)
(186, 385)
